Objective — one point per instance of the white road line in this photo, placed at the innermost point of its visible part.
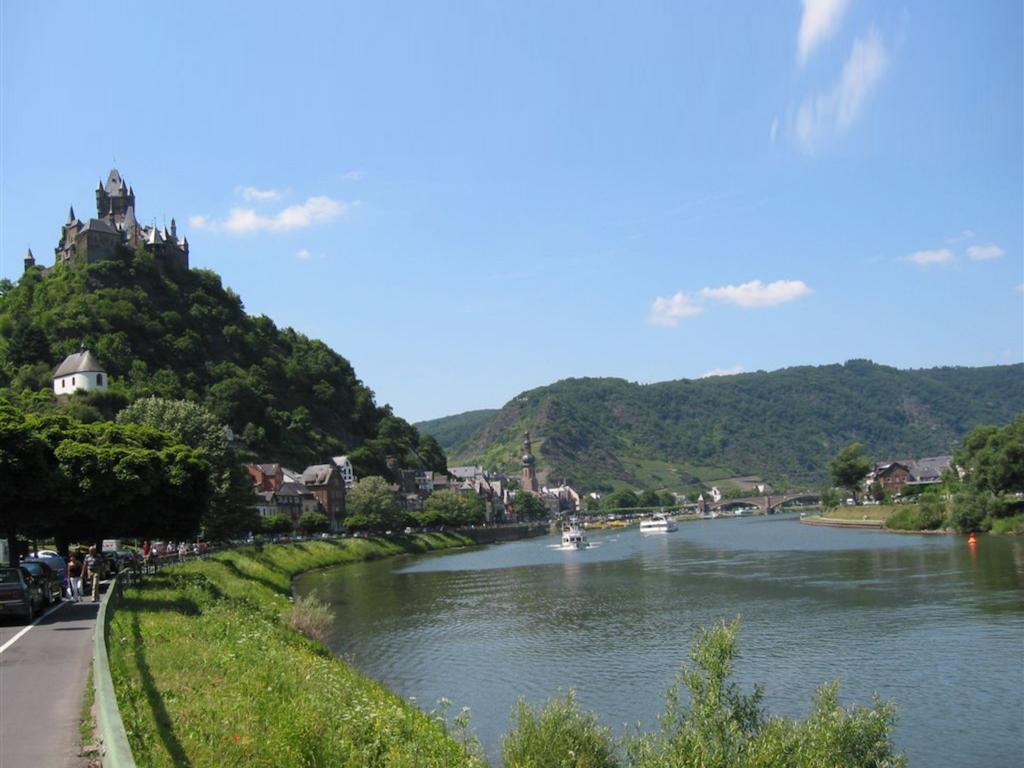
(15, 639)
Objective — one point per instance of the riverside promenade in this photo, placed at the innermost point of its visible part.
(43, 672)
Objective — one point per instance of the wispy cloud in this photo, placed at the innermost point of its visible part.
(985, 252)
(355, 175)
(303, 254)
(756, 294)
(819, 21)
(254, 194)
(965, 234)
(722, 372)
(670, 311)
(774, 132)
(927, 258)
(833, 112)
(242, 221)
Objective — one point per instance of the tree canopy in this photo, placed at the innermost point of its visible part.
(371, 505)
(849, 468)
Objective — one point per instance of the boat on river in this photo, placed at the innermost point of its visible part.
(573, 535)
(657, 523)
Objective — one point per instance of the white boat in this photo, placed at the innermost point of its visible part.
(657, 523)
(573, 536)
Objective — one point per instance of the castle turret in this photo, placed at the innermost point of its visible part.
(30, 260)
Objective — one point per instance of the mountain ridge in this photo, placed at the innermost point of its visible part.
(783, 425)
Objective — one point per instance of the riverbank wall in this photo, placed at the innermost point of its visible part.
(838, 523)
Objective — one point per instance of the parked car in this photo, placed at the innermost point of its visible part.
(125, 558)
(56, 563)
(53, 589)
(21, 594)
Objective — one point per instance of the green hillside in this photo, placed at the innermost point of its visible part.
(783, 426)
(453, 433)
(182, 335)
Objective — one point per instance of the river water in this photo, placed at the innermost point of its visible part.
(926, 621)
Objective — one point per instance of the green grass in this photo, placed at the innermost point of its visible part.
(1013, 524)
(208, 673)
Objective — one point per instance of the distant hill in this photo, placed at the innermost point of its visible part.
(180, 334)
(783, 426)
(453, 433)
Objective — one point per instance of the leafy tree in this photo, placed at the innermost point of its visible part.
(993, 457)
(830, 498)
(529, 507)
(371, 505)
(849, 468)
(275, 524)
(313, 522)
(557, 734)
(230, 511)
(451, 508)
(27, 474)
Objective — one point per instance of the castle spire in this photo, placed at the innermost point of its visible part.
(71, 214)
(30, 260)
(174, 229)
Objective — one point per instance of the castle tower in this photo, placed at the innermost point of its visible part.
(30, 260)
(114, 198)
(529, 478)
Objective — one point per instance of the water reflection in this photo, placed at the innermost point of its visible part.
(918, 619)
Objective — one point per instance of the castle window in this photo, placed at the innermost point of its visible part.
(72, 381)
(99, 379)
(63, 383)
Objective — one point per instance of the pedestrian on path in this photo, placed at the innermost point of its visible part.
(147, 553)
(92, 572)
(74, 577)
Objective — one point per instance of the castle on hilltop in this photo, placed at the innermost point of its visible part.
(115, 226)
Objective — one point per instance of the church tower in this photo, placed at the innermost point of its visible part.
(529, 479)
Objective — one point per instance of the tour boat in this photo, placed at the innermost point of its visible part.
(573, 535)
(657, 523)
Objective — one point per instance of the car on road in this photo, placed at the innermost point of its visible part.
(53, 582)
(21, 594)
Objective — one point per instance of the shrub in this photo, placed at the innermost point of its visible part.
(1013, 524)
(310, 617)
(557, 735)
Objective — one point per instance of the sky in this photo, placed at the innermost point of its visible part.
(469, 200)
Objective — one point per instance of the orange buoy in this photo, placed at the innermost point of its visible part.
(972, 539)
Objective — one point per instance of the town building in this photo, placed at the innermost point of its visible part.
(80, 372)
(326, 484)
(347, 472)
(895, 476)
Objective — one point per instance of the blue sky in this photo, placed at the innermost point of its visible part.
(472, 199)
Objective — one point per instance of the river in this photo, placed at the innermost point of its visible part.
(926, 621)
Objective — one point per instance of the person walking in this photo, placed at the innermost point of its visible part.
(92, 572)
(75, 577)
(147, 552)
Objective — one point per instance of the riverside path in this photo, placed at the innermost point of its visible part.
(42, 686)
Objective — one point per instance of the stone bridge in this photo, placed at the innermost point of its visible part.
(767, 504)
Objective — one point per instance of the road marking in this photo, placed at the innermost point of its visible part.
(15, 639)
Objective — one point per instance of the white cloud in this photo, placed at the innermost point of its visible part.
(673, 309)
(936, 256)
(259, 195)
(985, 252)
(303, 254)
(241, 221)
(757, 294)
(830, 113)
(965, 234)
(722, 372)
(1020, 288)
(818, 23)
(356, 175)
(774, 130)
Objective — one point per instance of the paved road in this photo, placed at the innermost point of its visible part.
(42, 686)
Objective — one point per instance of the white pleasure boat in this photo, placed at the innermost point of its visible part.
(573, 535)
(657, 523)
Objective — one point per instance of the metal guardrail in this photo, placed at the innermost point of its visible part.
(115, 752)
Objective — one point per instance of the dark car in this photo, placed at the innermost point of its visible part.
(52, 581)
(21, 594)
(126, 559)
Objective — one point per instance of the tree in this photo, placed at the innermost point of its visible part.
(850, 468)
(372, 506)
(230, 511)
(993, 457)
(452, 508)
(529, 507)
(313, 522)
(830, 498)
(27, 473)
(275, 524)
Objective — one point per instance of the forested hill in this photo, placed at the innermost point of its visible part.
(182, 335)
(783, 426)
(455, 432)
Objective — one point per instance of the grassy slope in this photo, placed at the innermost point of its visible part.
(454, 432)
(208, 674)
